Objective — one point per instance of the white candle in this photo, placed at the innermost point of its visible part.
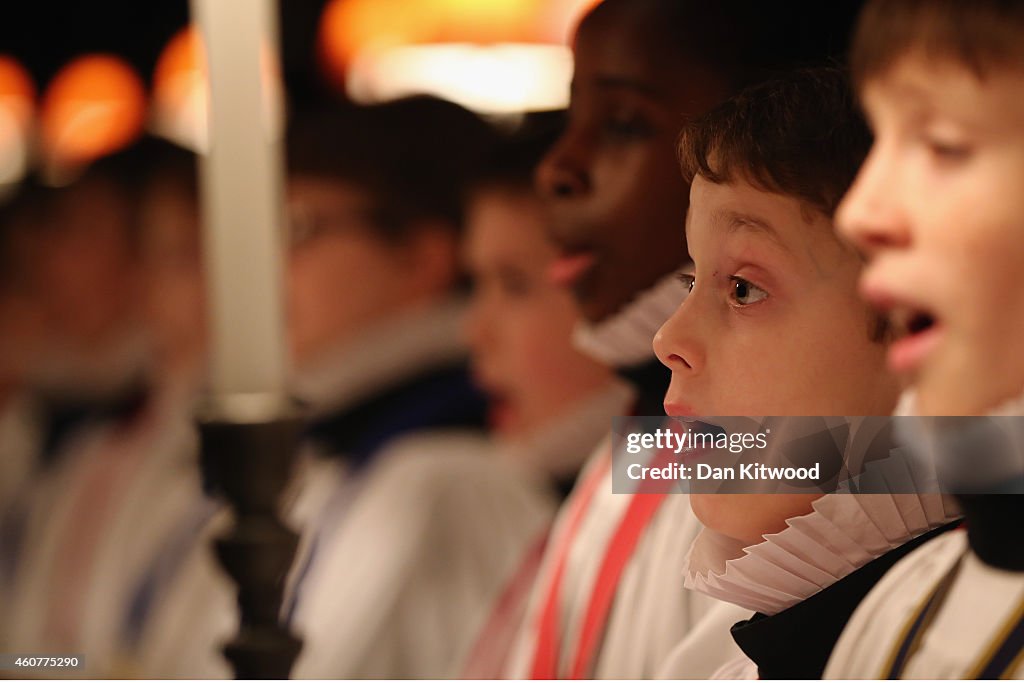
(242, 186)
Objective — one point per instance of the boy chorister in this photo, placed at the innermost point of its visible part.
(937, 210)
(773, 326)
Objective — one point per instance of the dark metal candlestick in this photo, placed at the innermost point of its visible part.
(246, 458)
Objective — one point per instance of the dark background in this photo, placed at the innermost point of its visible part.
(46, 34)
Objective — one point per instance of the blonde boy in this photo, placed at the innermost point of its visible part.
(938, 209)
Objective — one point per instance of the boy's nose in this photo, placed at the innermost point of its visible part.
(562, 173)
(474, 324)
(870, 215)
(676, 345)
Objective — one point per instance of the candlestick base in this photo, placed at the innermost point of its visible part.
(246, 458)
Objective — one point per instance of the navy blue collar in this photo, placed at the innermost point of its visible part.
(797, 642)
(441, 397)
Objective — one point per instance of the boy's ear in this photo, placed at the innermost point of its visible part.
(432, 250)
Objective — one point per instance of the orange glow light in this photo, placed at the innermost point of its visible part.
(180, 97)
(183, 58)
(94, 106)
(17, 92)
(17, 101)
(181, 92)
(353, 28)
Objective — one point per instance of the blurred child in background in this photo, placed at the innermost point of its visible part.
(549, 404)
(21, 416)
(21, 329)
(126, 479)
(419, 528)
(541, 391)
(409, 529)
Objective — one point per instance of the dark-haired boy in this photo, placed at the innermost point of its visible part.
(773, 326)
(938, 208)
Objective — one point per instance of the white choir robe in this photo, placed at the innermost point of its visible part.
(980, 601)
(651, 611)
(97, 522)
(198, 614)
(20, 442)
(408, 559)
(701, 648)
(163, 511)
(552, 452)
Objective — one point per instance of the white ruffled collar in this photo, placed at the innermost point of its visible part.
(626, 338)
(842, 534)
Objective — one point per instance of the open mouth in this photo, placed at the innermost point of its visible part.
(920, 330)
(500, 414)
(910, 320)
(571, 265)
(920, 322)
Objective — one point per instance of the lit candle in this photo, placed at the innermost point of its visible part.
(242, 185)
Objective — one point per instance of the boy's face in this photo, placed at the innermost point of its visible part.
(85, 278)
(612, 184)
(520, 324)
(175, 295)
(88, 275)
(772, 326)
(342, 277)
(938, 208)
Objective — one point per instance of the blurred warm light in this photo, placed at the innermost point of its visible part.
(181, 98)
(17, 92)
(17, 101)
(379, 48)
(14, 150)
(495, 79)
(94, 106)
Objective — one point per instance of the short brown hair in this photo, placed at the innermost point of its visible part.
(800, 135)
(978, 33)
(411, 156)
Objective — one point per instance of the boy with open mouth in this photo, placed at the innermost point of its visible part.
(937, 210)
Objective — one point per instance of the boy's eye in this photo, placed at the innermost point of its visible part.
(745, 293)
(688, 281)
(947, 151)
(514, 283)
(626, 127)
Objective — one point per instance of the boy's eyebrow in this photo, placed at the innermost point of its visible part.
(737, 221)
(610, 82)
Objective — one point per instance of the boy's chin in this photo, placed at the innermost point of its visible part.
(720, 513)
(961, 394)
(747, 517)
